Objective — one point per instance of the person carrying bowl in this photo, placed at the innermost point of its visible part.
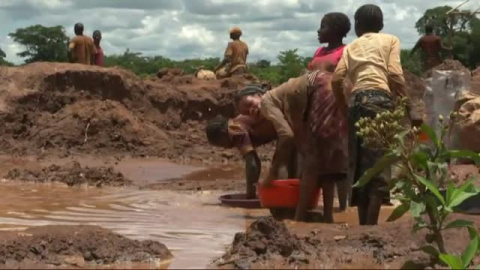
(306, 117)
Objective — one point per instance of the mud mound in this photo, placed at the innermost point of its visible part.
(264, 238)
(64, 109)
(451, 65)
(72, 175)
(416, 86)
(386, 246)
(74, 246)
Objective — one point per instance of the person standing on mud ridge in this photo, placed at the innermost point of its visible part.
(246, 133)
(372, 63)
(81, 49)
(98, 56)
(235, 57)
(431, 46)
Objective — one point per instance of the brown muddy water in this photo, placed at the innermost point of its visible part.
(192, 225)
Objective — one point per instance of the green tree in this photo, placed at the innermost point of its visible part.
(263, 63)
(149, 65)
(411, 63)
(42, 43)
(291, 64)
(4, 62)
(441, 22)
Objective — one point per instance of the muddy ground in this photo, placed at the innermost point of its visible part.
(74, 247)
(54, 115)
(274, 244)
(71, 174)
(52, 109)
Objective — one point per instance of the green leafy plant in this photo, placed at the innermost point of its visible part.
(424, 185)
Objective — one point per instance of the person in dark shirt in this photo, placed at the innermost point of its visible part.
(431, 46)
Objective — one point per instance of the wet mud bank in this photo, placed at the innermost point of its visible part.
(279, 245)
(75, 247)
(71, 174)
(54, 109)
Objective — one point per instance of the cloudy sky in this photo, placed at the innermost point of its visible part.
(199, 28)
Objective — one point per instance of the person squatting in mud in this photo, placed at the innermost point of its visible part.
(306, 117)
(372, 63)
(246, 133)
(235, 57)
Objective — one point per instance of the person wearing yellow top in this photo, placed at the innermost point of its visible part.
(372, 63)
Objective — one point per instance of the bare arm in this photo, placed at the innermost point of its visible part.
(285, 143)
(396, 79)
(253, 168)
(227, 58)
(415, 48)
(71, 46)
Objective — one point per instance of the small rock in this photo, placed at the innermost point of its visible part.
(340, 237)
(77, 261)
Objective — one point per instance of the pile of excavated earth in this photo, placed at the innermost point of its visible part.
(64, 109)
(53, 109)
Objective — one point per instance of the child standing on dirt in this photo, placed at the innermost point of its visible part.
(372, 63)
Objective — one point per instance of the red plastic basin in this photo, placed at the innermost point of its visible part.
(283, 194)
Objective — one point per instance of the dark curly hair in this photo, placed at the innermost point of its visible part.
(216, 129)
(339, 22)
(369, 18)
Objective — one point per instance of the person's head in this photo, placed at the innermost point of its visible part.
(248, 101)
(428, 29)
(217, 132)
(368, 19)
(333, 27)
(97, 36)
(235, 33)
(78, 28)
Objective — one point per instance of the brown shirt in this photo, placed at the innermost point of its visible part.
(372, 61)
(430, 45)
(83, 49)
(237, 51)
(287, 107)
(247, 133)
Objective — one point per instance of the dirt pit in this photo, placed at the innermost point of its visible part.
(53, 109)
(74, 246)
(315, 246)
(72, 175)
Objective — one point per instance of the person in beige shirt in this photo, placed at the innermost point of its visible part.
(235, 57)
(81, 49)
(372, 63)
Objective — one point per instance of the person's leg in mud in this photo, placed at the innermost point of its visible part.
(343, 192)
(253, 168)
(308, 185)
(327, 184)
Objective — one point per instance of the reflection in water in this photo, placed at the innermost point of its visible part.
(195, 233)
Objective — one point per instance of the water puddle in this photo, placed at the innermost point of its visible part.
(191, 226)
